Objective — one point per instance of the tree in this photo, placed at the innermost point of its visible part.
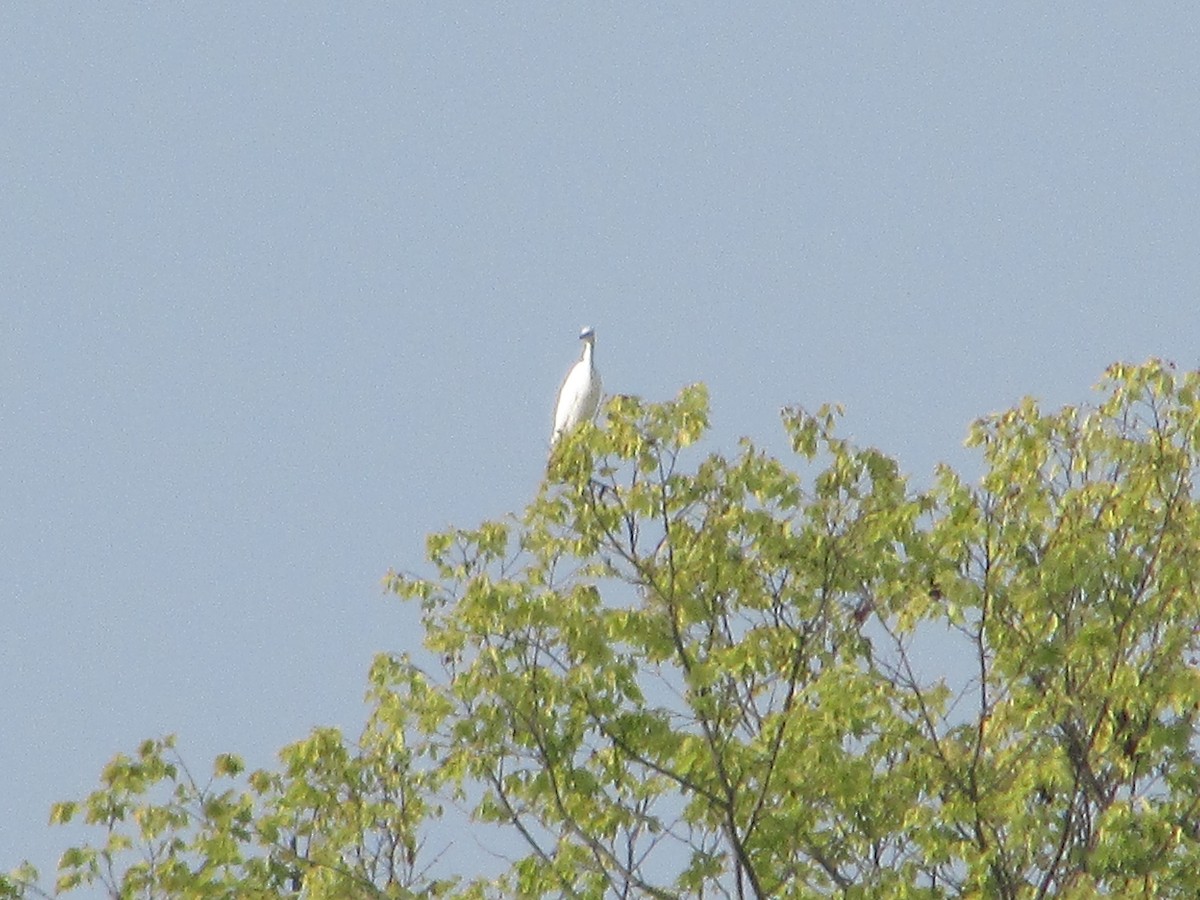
(677, 678)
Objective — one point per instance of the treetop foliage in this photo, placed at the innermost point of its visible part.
(677, 675)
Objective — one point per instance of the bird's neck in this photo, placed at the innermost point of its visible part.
(587, 353)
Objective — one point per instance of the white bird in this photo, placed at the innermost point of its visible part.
(579, 396)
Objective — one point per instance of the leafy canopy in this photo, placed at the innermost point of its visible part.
(675, 676)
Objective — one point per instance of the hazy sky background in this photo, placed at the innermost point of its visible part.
(285, 287)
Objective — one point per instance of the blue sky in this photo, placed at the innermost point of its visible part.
(285, 287)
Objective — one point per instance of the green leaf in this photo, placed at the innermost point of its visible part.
(685, 674)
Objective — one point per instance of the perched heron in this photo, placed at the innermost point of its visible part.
(579, 396)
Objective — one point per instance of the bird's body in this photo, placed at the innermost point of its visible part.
(579, 396)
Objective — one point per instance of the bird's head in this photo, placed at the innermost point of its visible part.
(587, 334)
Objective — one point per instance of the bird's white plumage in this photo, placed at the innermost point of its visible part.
(579, 396)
